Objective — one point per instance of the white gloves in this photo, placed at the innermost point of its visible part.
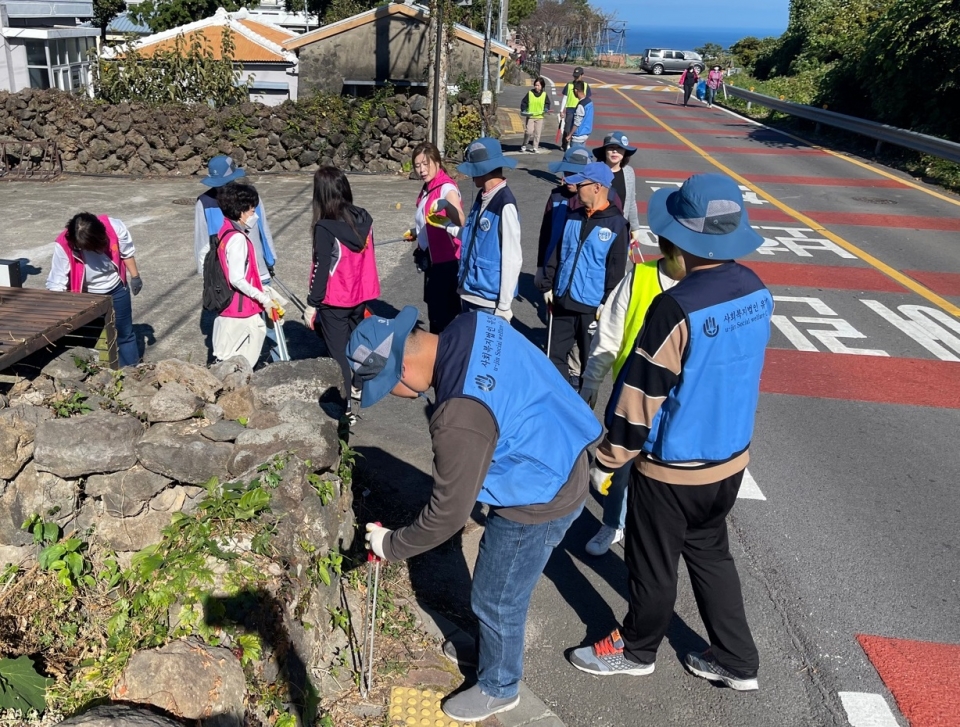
(273, 293)
(374, 538)
(600, 478)
(635, 235)
(589, 391)
(548, 297)
(507, 314)
(309, 316)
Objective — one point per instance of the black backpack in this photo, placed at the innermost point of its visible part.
(217, 292)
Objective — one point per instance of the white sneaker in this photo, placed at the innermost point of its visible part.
(605, 537)
(523, 148)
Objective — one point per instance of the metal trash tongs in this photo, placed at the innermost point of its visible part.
(370, 622)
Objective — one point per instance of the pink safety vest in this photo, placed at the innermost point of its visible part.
(353, 276)
(77, 265)
(240, 305)
(443, 247)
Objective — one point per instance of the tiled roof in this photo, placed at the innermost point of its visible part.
(124, 24)
(254, 41)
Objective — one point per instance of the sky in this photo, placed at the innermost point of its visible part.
(732, 14)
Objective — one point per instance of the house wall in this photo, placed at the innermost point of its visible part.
(393, 48)
(13, 66)
(271, 73)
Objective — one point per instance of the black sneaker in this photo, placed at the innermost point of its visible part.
(706, 665)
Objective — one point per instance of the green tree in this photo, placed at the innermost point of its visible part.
(746, 50)
(184, 74)
(519, 11)
(104, 11)
(162, 15)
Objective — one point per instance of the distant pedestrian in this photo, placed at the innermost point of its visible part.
(533, 107)
(570, 102)
(616, 152)
(343, 276)
(689, 79)
(714, 81)
(683, 412)
(491, 256)
(240, 328)
(208, 221)
(582, 125)
(438, 252)
(584, 268)
(96, 255)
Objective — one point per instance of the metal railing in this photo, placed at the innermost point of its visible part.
(531, 65)
(949, 150)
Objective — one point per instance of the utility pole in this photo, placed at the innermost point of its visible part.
(486, 98)
(439, 76)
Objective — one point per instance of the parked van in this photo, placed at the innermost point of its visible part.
(659, 60)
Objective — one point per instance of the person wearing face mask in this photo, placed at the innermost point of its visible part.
(496, 440)
(437, 253)
(96, 255)
(714, 81)
(208, 219)
(239, 330)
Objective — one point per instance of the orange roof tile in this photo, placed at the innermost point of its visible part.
(245, 51)
(267, 30)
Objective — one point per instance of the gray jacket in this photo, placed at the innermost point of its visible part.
(630, 203)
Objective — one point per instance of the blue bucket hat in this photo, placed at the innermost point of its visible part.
(375, 352)
(483, 156)
(594, 172)
(615, 138)
(575, 159)
(705, 217)
(222, 170)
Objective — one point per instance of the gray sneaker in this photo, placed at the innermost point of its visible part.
(706, 665)
(461, 652)
(605, 537)
(475, 706)
(606, 657)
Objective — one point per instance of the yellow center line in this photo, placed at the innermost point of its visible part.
(887, 270)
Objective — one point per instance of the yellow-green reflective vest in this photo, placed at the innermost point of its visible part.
(536, 104)
(572, 100)
(646, 287)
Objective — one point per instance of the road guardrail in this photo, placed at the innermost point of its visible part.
(949, 150)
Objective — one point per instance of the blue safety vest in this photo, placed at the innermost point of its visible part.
(586, 126)
(724, 358)
(481, 255)
(543, 424)
(582, 268)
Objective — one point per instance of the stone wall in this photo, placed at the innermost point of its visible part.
(153, 437)
(95, 138)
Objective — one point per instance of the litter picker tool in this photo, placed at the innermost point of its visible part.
(289, 293)
(370, 623)
(549, 327)
(561, 114)
(282, 350)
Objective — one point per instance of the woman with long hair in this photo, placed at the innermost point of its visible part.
(437, 252)
(615, 153)
(343, 278)
(96, 255)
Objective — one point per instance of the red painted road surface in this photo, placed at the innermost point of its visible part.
(923, 677)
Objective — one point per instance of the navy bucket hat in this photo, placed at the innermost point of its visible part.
(483, 156)
(575, 160)
(615, 138)
(222, 170)
(375, 352)
(705, 217)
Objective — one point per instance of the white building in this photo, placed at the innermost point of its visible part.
(270, 68)
(43, 45)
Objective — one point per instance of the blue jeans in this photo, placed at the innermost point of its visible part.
(615, 502)
(711, 94)
(512, 557)
(127, 350)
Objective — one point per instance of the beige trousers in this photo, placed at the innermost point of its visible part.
(534, 127)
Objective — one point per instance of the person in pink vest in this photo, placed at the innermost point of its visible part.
(714, 81)
(438, 252)
(344, 276)
(96, 255)
(240, 330)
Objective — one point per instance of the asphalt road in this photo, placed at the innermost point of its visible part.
(854, 453)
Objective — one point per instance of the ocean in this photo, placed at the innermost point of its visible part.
(688, 38)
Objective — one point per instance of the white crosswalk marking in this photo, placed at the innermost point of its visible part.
(867, 710)
(749, 489)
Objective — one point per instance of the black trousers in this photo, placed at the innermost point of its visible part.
(440, 294)
(335, 327)
(664, 522)
(569, 328)
(687, 90)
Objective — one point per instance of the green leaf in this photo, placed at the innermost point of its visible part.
(51, 531)
(21, 687)
(74, 562)
(252, 650)
(51, 555)
(286, 720)
(323, 573)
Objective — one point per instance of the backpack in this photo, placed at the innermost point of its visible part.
(217, 292)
